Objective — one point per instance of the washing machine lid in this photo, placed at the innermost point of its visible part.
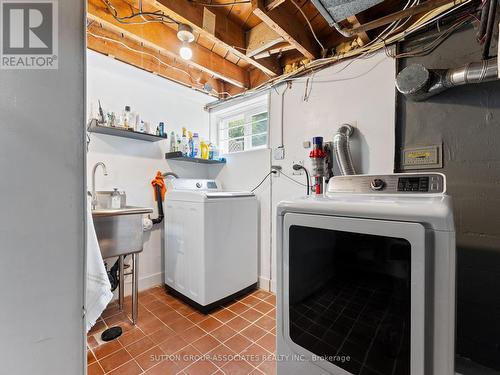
(400, 202)
(200, 190)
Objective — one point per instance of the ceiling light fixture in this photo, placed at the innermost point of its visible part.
(186, 36)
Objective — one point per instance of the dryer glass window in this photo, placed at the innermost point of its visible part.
(350, 299)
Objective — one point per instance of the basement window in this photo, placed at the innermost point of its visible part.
(243, 127)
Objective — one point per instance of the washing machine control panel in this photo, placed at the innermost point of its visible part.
(403, 183)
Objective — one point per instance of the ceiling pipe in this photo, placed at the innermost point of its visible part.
(418, 83)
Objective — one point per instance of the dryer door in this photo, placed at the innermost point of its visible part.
(354, 293)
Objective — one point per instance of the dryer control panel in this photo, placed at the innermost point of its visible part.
(400, 183)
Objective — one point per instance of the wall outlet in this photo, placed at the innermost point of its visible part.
(279, 153)
(277, 169)
(300, 171)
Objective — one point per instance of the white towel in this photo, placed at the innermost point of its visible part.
(98, 286)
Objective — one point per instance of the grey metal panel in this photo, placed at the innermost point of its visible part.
(42, 220)
(338, 10)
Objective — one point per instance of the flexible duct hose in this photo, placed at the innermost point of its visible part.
(159, 200)
(343, 151)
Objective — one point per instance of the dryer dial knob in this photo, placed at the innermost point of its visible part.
(377, 184)
(198, 185)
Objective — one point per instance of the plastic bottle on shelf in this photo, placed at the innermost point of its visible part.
(203, 150)
(126, 117)
(184, 143)
(173, 143)
(116, 199)
(190, 145)
(196, 146)
(210, 151)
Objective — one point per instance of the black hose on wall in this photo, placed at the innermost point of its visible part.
(159, 200)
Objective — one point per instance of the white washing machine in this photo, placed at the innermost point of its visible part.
(366, 278)
(211, 242)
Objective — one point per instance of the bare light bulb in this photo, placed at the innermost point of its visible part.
(186, 52)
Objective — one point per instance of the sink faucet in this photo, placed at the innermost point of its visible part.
(94, 196)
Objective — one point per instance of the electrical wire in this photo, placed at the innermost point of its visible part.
(362, 52)
(293, 180)
(263, 180)
(323, 49)
(158, 16)
(141, 52)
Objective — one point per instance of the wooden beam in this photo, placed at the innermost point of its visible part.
(118, 47)
(225, 31)
(288, 26)
(261, 38)
(363, 36)
(421, 8)
(164, 39)
(271, 4)
(278, 48)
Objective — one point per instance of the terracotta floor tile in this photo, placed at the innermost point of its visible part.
(238, 323)
(253, 332)
(95, 369)
(146, 298)
(129, 368)
(181, 325)
(238, 343)
(150, 358)
(139, 347)
(206, 344)
(224, 315)
(197, 317)
(110, 311)
(192, 334)
(263, 307)
(106, 349)
(155, 304)
(250, 301)
(173, 344)
(237, 307)
(92, 342)
(162, 334)
(115, 360)
(272, 313)
(169, 317)
(131, 336)
(262, 294)
(271, 299)
(210, 324)
(90, 357)
(163, 368)
(238, 367)
(256, 371)
(151, 326)
(185, 310)
(268, 367)
(223, 333)
(266, 323)
(256, 354)
(221, 355)
(268, 342)
(201, 368)
(187, 356)
(97, 327)
(116, 319)
(252, 315)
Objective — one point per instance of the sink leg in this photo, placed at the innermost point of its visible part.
(135, 287)
(121, 290)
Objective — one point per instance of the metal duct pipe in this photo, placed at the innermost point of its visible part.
(418, 83)
(343, 150)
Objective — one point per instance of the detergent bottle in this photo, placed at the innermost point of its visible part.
(203, 150)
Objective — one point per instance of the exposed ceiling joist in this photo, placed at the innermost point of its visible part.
(288, 26)
(163, 38)
(276, 50)
(261, 38)
(113, 44)
(271, 4)
(354, 21)
(223, 30)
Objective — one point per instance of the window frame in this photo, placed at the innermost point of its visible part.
(245, 111)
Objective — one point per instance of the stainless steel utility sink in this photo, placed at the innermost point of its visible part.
(119, 230)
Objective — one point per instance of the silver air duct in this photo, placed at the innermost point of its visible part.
(418, 83)
(342, 149)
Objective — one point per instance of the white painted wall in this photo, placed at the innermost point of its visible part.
(361, 93)
(133, 164)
